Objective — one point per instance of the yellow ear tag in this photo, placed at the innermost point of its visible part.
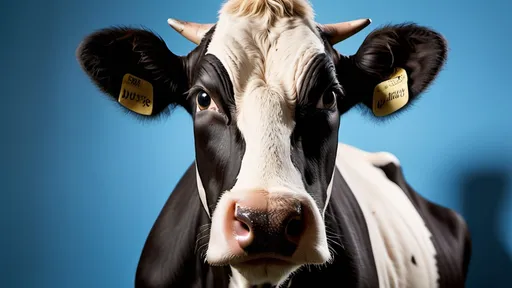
(391, 95)
(136, 94)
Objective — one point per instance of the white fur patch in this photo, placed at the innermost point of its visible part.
(381, 158)
(255, 56)
(329, 193)
(202, 192)
(397, 231)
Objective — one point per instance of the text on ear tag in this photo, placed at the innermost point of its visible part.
(391, 95)
(136, 94)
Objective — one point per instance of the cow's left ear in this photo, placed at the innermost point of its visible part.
(392, 67)
(135, 68)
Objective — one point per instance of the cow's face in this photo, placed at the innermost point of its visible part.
(266, 122)
(266, 90)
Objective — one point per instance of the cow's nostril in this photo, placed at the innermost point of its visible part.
(294, 229)
(241, 229)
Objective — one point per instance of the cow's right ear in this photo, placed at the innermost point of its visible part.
(135, 68)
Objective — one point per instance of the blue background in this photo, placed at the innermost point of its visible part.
(83, 182)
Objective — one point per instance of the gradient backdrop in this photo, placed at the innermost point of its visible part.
(83, 183)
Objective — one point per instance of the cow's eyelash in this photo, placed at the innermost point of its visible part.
(194, 90)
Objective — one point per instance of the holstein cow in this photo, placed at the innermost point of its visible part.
(273, 199)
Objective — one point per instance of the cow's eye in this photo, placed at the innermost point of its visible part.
(203, 100)
(328, 99)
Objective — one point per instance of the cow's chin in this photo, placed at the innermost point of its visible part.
(262, 271)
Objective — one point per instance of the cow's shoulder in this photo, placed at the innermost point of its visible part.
(436, 239)
(173, 254)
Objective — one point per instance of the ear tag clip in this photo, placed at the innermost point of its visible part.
(391, 95)
(136, 94)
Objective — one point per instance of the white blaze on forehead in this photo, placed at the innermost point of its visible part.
(251, 50)
(265, 64)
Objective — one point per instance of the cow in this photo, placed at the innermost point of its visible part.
(273, 199)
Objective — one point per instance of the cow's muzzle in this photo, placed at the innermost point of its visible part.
(263, 224)
(256, 227)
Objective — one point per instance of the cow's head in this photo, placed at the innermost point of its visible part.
(266, 89)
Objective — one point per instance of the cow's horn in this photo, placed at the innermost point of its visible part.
(343, 30)
(190, 30)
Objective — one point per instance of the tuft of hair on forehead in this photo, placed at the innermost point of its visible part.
(269, 9)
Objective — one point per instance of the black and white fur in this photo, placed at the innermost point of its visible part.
(275, 90)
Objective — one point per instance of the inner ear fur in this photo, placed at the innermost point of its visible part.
(108, 54)
(420, 51)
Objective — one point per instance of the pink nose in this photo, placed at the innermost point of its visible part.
(265, 223)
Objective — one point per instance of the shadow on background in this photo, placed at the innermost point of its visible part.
(482, 195)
